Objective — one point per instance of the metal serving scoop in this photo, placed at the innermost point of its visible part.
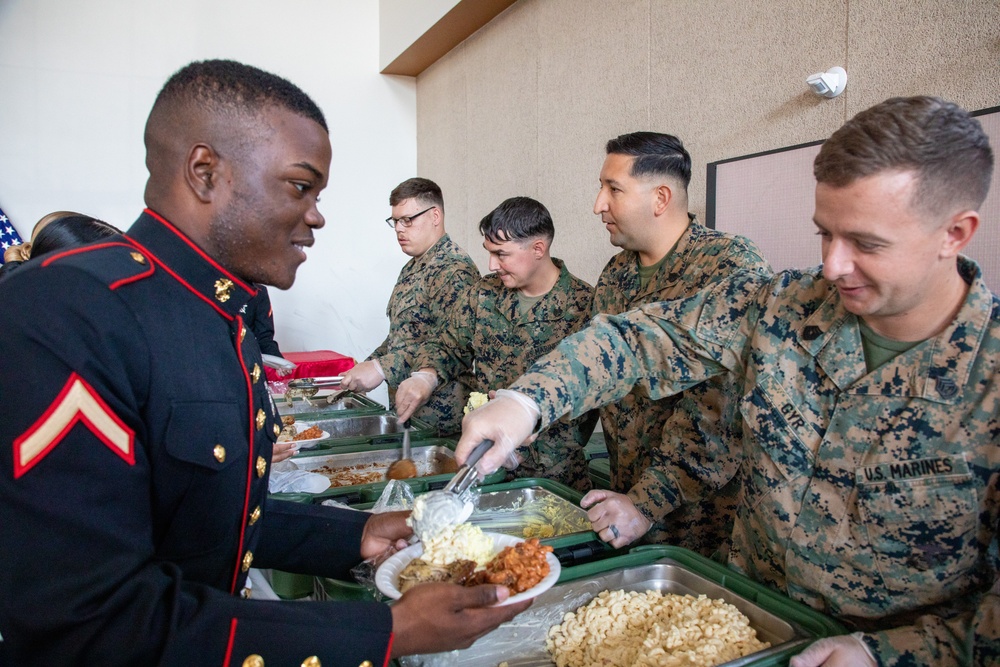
(436, 510)
(404, 468)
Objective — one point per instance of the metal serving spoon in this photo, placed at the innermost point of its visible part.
(436, 510)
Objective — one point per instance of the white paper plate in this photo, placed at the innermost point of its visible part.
(387, 575)
(304, 426)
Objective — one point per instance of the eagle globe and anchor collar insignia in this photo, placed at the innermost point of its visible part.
(187, 263)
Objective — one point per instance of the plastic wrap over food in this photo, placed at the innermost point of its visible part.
(286, 477)
(520, 641)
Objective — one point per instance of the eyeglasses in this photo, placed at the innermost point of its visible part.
(405, 220)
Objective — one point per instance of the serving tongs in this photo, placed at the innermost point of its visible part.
(448, 507)
(315, 383)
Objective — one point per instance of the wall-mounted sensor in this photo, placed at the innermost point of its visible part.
(829, 83)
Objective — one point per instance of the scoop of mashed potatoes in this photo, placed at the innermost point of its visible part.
(461, 542)
(476, 400)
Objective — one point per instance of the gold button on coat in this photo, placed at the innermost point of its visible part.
(243, 334)
(256, 373)
(312, 661)
(138, 258)
(247, 560)
(255, 515)
(261, 418)
(220, 453)
(277, 430)
(366, 663)
(253, 661)
(261, 466)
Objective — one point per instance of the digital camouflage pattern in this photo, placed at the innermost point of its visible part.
(428, 288)
(487, 330)
(872, 497)
(653, 442)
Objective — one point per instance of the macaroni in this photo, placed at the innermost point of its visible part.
(651, 629)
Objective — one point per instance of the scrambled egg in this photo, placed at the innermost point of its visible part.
(476, 400)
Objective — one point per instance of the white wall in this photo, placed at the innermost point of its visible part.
(78, 78)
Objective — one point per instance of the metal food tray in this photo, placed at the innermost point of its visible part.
(428, 455)
(529, 512)
(787, 625)
(346, 468)
(347, 404)
(364, 429)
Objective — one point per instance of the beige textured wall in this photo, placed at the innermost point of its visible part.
(525, 105)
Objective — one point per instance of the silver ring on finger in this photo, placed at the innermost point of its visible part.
(614, 531)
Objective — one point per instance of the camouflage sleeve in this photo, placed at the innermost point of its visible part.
(970, 639)
(439, 298)
(451, 352)
(700, 451)
(664, 348)
(380, 350)
(701, 447)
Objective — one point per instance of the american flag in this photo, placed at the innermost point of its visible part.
(8, 235)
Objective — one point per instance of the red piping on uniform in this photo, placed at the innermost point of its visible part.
(388, 650)
(179, 279)
(118, 283)
(198, 250)
(132, 279)
(74, 251)
(250, 460)
(229, 644)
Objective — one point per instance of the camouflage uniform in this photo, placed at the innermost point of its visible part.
(427, 289)
(648, 439)
(869, 496)
(489, 331)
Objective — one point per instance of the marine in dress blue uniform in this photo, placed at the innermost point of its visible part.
(143, 437)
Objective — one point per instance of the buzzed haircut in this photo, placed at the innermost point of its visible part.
(423, 190)
(655, 154)
(517, 219)
(226, 86)
(938, 140)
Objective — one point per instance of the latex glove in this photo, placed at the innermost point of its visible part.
(436, 617)
(839, 651)
(364, 377)
(414, 391)
(507, 420)
(608, 509)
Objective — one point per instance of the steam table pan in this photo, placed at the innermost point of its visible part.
(788, 625)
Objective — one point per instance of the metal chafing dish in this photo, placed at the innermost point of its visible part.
(343, 404)
(369, 466)
(382, 429)
(531, 511)
(787, 625)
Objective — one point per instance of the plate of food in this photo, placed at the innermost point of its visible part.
(526, 567)
(302, 434)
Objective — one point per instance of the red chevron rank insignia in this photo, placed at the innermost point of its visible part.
(77, 402)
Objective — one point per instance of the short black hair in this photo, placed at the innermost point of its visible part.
(518, 219)
(227, 85)
(70, 231)
(938, 140)
(422, 189)
(655, 153)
